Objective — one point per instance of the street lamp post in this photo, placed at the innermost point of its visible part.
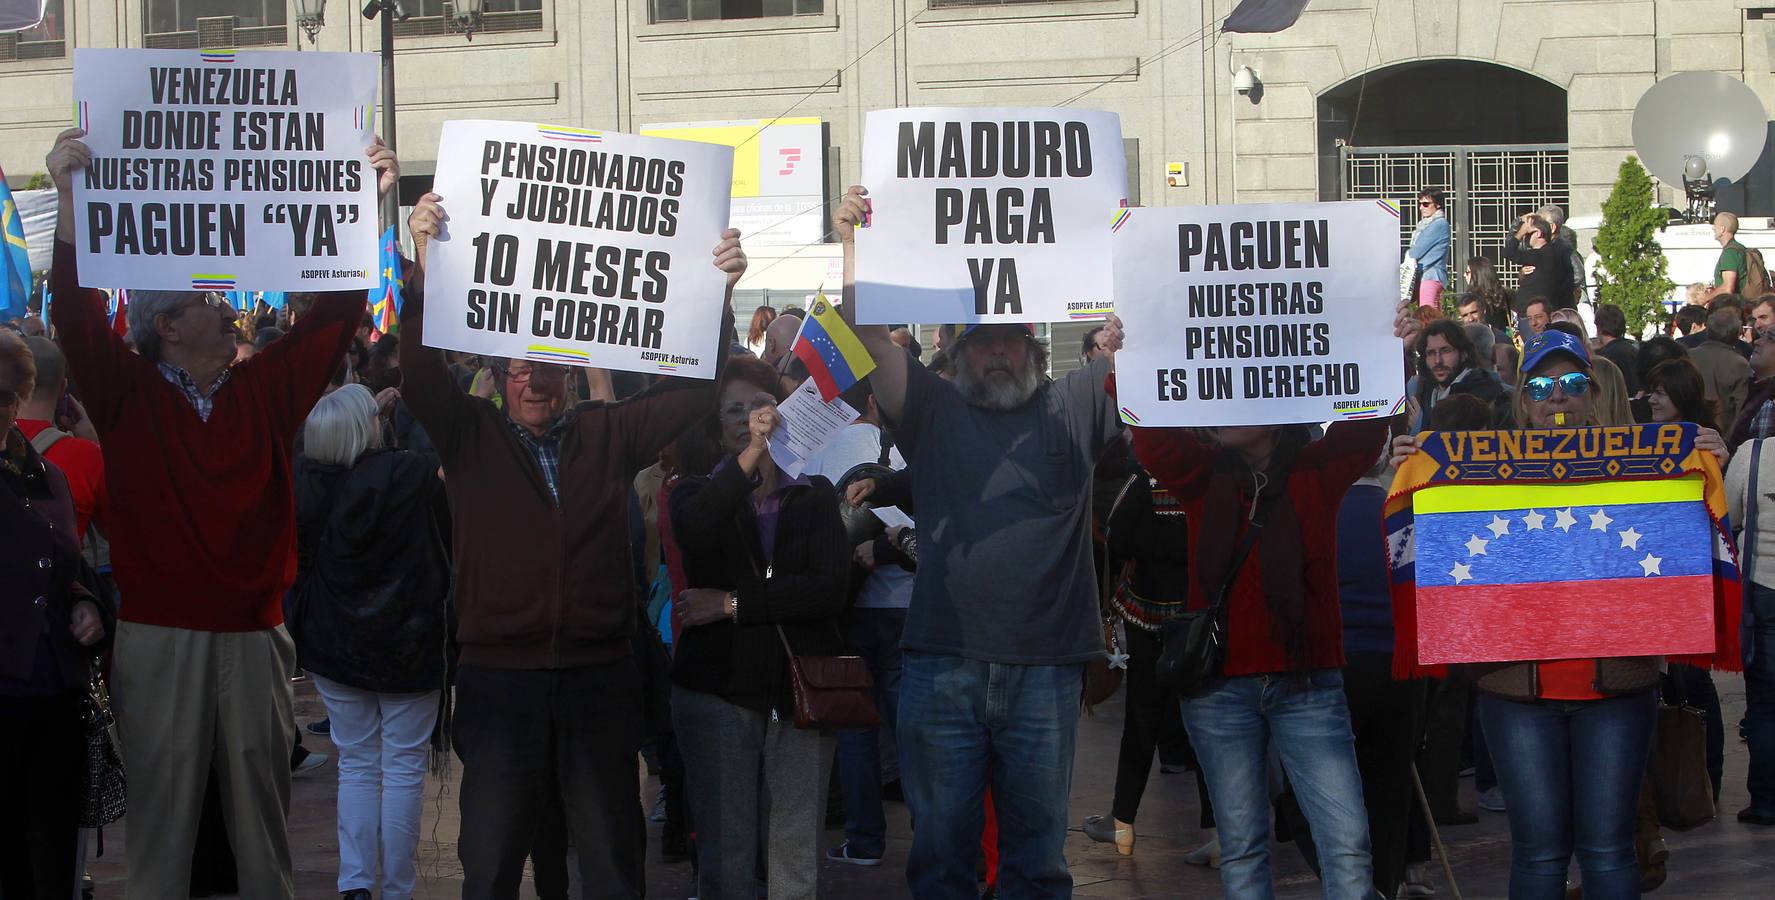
(389, 11)
(310, 16)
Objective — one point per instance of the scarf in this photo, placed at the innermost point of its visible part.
(1233, 489)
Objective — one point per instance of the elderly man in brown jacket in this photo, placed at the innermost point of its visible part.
(1724, 370)
(548, 697)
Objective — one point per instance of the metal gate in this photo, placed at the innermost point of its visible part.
(1488, 188)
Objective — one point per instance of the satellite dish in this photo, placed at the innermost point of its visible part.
(1699, 114)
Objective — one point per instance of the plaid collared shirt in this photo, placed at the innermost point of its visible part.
(203, 402)
(1763, 420)
(547, 450)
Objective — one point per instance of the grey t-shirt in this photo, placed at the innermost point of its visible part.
(1003, 504)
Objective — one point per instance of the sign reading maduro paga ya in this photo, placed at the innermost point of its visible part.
(217, 170)
(988, 215)
(1259, 314)
(581, 247)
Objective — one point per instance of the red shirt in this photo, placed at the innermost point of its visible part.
(1323, 471)
(83, 463)
(203, 524)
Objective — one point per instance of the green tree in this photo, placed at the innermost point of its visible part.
(39, 182)
(1632, 268)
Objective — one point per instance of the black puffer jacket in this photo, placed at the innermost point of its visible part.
(372, 580)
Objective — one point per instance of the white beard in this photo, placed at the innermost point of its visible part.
(995, 394)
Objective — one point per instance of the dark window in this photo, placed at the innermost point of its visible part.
(434, 17)
(939, 4)
(45, 41)
(174, 24)
(703, 10)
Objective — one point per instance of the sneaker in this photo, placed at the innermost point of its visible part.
(1417, 881)
(843, 854)
(322, 728)
(1492, 799)
(309, 763)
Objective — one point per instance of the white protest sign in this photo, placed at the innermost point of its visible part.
(225, 171)
(581, 247)
(892, 516)
(805, 425)
(1258, 314)
(988, 215)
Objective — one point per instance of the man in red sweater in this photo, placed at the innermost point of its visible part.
(203, 547)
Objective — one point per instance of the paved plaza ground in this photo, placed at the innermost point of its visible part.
(1719, 860)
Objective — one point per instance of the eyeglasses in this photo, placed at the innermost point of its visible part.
(212, 300)
(522, 375)
(1540, 387)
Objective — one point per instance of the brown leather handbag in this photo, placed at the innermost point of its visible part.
(830, 692)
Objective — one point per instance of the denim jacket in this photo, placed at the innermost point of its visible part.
(1429, 246)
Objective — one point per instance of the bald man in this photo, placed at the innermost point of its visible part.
(778, 337)
(1728, 273)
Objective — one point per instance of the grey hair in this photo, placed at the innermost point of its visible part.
(52, 366)
(343, 426)
(1553, 213)
(1483, 338)
(144, 308)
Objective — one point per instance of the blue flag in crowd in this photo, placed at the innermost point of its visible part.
(274, 299)
(385, 301)
(16, 260)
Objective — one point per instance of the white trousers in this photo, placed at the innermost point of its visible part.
(383, 742)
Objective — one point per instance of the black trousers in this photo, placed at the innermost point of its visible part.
(42, 786)
(1387, 717)
(1445, 731)
(1152, 720)
(523, 733)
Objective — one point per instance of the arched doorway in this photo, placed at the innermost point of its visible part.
(1492, 137)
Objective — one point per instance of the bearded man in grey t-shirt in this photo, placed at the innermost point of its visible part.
(1004, 607)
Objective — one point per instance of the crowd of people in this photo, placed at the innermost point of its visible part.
(547, 574)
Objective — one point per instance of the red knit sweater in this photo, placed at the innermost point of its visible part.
(1323, 471)
(202, 526)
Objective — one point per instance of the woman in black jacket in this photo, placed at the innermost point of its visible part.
(368, 622)
(49, 626)
(768, 564)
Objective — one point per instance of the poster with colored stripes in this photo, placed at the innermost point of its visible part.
(1257, 314)
(579, 247)
(219, 170)
(988, 215)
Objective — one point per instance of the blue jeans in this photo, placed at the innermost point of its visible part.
(1571, 771)
(1759, 698)
(1231, 725)
(962, 721)
(873, 634)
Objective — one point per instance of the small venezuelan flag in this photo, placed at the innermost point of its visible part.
(1564, 543)
(835, 358)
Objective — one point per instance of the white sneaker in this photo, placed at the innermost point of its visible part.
(1417, 881)
(1492, 799)
(309, 763)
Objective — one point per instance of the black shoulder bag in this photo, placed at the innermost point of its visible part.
(1195, 642)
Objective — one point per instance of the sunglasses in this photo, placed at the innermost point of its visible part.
(1425, 203)
(1540, 387)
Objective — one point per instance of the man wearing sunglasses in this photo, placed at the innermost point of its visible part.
(548, 695)
(198, 459)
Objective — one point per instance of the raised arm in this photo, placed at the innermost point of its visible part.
(98, 358)
(888, 381)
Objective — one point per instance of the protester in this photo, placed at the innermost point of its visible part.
(1429, 246)
(1613, 403)
(1756, 419)
(50, 627)
(779, 335)
(873, 624)
(1762, 313)
(1497, 304)
(1615, 346)
(1485, 343)
(548, 692)
(203, 545)
(1148, 588)
(1004, 609)
(1535, 316)
(1280, 685)
(1725, 372)
(1568, 240)
(75, 452)
(768, 568)
(1569, 757)
(1748, 479)
(761, 319)
(1546, 265)
(1448, 364)
(368, 622)
(1730, 270)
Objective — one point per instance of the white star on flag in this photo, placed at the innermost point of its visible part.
(1630, 539)
(1534, 520)
(1650, 565)
(1476, 545)
(1565, 520)
(1499, 526)
(1462, 572)
(1599, 521)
